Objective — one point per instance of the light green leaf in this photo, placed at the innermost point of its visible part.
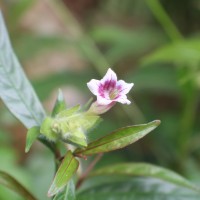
(9, 182)
(68, 193)
(32, 135)
(184, 52)
(59, 105)
(15, 89)
(137, 188)
(145, 169)
(119, 139)
(68, 112)
(65, 172)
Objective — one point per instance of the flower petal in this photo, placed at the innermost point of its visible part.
(110, 76)
(124, 87)
(103, 101)
(123, 99)
(93, 86)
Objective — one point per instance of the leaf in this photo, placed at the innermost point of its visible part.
(65, 172)
(32, 135)
(138, 188)
(9, 182)
(68, 112)
(145, 169)
(59, 105)
(184, 52)
(15, 89)
(119, 139)
(68, 193)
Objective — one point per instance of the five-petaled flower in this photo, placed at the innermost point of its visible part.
(109, 90)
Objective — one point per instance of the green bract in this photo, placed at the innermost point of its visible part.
(70, 126)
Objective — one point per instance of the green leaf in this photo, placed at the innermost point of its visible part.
(144, 169)
(68, 112)
(15, 89)
(68, 193)
(9, 182)
(184, 52)
(59, 105)
(32, 135)
(118, 139)
(137, 188)
(65, 172)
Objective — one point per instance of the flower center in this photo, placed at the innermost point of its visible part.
(113, 94)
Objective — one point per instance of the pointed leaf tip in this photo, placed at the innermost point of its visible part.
(31, 137)
(60, 104)
(60, 95)
(65, 172)
(119, 138)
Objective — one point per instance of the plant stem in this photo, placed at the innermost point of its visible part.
(161, 15)
(89, 169)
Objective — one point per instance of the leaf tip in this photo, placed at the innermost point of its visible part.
(27, 148)
(60, 95)
(157, 122)
(52, 190)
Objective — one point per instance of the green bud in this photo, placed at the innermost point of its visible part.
(70, 126)
(47, 130)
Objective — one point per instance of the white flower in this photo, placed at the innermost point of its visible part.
(108, 90)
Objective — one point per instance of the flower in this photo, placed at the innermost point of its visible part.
(109, 91)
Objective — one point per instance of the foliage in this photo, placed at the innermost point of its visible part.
(147, 43)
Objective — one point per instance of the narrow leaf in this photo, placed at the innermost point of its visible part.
(144, 169)
(32, 135)
(59, 105)
(68, 193)
(9, 182)
(65, 172)
(15, 89)
(119, 139)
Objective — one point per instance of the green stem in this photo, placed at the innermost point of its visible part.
(187, 121)
(163, 18)
(9, 182)
(51, 146)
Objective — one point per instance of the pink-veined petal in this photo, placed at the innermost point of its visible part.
(110, 76)
(93, 86)
(124, 87)
(103, 101)
(123, 99)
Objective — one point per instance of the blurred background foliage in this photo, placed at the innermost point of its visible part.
(64, 44)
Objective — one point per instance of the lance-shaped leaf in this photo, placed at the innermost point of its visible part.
(15, 89)
(119, 138)
(32, 135)
(148, 170)
(68, 193)
(59, 105)
(9, 182)
(65, 172)
(134, 188)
